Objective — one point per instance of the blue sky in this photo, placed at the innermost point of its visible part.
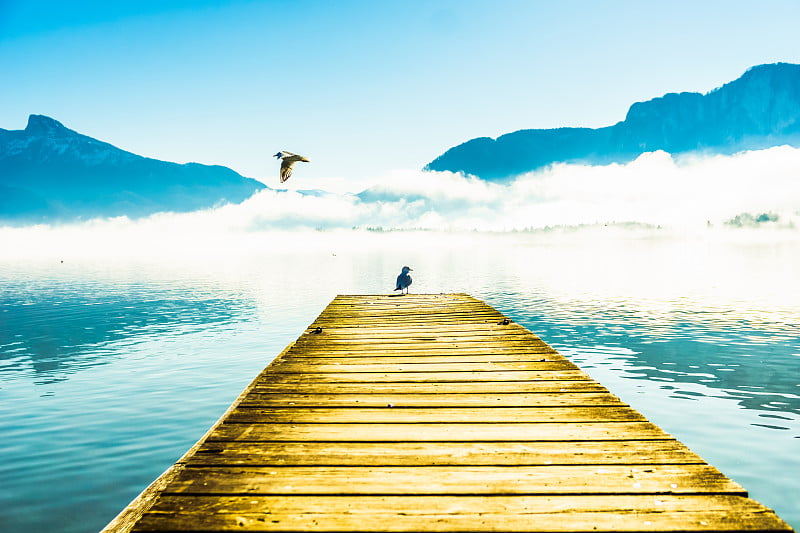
(362, 87)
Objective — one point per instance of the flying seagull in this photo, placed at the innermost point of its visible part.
(403, 280)
(288, 159)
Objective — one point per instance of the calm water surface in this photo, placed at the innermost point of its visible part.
(111, 368)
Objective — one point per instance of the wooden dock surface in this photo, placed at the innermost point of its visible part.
(435, 413)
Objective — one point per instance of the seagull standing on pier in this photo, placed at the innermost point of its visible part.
(288, 159)
(403, 280)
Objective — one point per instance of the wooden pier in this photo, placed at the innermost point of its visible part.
(435, 413)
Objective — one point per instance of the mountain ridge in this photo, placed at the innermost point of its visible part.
(50, 173)
(758, 110)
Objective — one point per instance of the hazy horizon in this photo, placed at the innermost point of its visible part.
(755, 192)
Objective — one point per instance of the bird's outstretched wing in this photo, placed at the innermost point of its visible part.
(286, 169)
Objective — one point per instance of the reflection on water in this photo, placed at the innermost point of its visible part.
(728, 322)
(109, 371)
(55, 330)
(752, 363)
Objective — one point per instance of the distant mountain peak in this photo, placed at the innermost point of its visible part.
(771, 69)
(45, 126)
(758, 110)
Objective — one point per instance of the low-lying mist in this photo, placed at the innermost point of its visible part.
(752, 190)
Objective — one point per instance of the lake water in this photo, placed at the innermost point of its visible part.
(113, 364)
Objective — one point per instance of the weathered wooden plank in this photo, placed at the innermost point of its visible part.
(416, 377)
(265, 385)
(415, 313)
(377, 329)
(422, 316)
(336, 307)
(512, 399)
(564, 513)
(399, 315)
(472, 347)
(382, 299)
(359, 328)
(389, 414)
(377, 349)
(412, 318)
(401, 318)
(371, 305)
(302, 367)
(409, 308)
(402, 331)
(421, 359)
(509, 432)
(570, 479)
(376, 300)
(441, 454)
(440, 351)
(419, 343)
(420, 348)
(455, 321)
(487, 332)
